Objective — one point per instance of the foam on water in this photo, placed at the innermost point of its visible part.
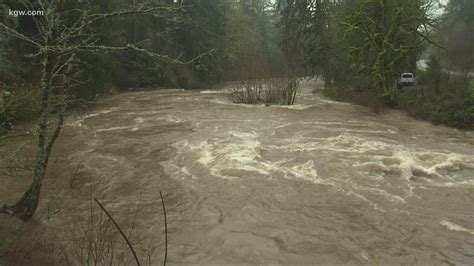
(78, 122)
(433, 168)
(467, 183)
(212, 91)
(378, 191)
(113, 129)
(294, 107)
(375, 206)
(455, 227)
(330, 102)
(237, 154)
(134, 126)
(172, 119)
(342, 143)
(437, 165)
(372, 166)
(228, 102)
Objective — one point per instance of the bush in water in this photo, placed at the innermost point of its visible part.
(278, 91)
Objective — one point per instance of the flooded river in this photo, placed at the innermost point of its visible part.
(317, 182)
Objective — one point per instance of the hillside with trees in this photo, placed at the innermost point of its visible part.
(360, 49)
(281, 62)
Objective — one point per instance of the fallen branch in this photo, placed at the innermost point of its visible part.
(166, 229)
(120, 230)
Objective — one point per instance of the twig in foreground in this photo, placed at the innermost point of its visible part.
(120, 230)
(166, 229)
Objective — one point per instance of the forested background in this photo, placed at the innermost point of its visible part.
(241, 34)
(358, 47)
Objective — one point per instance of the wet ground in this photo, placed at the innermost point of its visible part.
(317, 182)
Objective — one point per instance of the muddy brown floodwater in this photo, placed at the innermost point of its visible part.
(317, 182)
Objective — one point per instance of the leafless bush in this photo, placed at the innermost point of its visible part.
(292, 84)
(90, 237)
(279, 91)
(89, 240)
(247, 91)
(275, 92)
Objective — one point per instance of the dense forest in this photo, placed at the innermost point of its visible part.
(361, 45)
(74, 53)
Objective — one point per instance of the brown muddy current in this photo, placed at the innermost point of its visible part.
(317, 182)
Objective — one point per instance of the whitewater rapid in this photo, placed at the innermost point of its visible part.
(317, 182)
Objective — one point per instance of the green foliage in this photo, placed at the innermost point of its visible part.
(207, 32)
(452, 104)
(390, 97)
(97, 73)
(470, 89)
(384, 38)
(4, 62)
(457, 34)
(306, 34)
(251, 46)
(463, 117)
(241, 34)
(434, 72)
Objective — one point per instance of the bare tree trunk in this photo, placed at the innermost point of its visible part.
(28, 203)
(59, 37)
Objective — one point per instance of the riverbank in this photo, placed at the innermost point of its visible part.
(453, 107)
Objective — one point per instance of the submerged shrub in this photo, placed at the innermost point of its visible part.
(247, 91)
(390, 98)
(278, 91)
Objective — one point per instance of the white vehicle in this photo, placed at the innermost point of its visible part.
(407, 79)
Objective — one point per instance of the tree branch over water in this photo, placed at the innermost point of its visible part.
(120, 231)
(63, 34)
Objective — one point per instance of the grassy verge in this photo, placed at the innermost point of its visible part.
(450, 102)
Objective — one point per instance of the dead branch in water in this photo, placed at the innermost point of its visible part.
(120, 230)
(166, 229)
